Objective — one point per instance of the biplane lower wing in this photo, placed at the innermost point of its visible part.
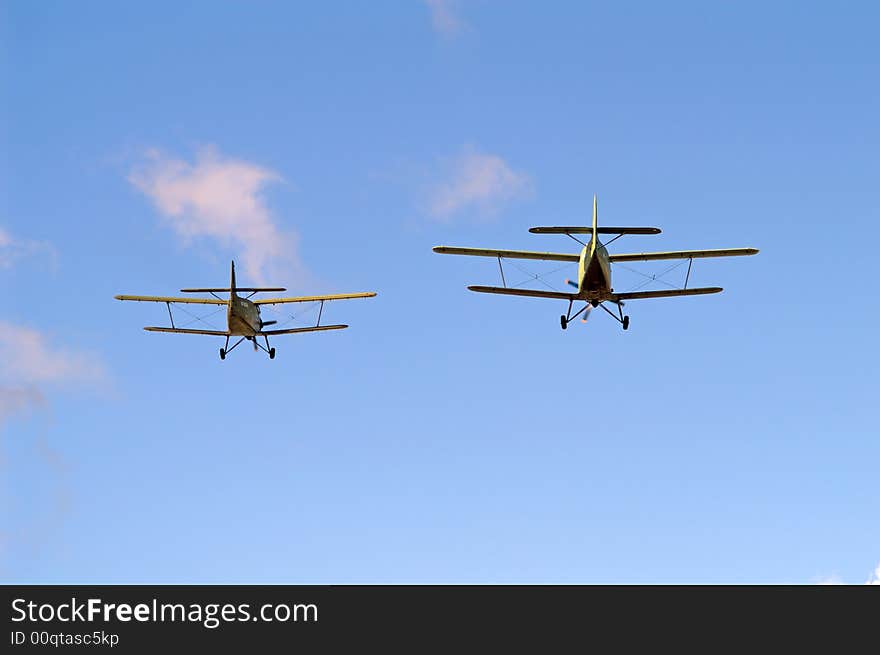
(316, 328)
(336, 296)
(210, 333)
(529, 293)
(681, 254)
(509, 254)
(665, 293)
(169, 299)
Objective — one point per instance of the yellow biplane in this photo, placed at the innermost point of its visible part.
(243, 315)
(594, 268)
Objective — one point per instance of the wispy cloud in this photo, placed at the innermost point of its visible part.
(30, 363)
(13, 249)
(444, 17)
(478, 183)
(873, 579)
(29, 359)
(220, 198)
(16, 400)
(829, 580)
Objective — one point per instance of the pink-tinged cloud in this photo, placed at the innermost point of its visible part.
(30, 363)
(17, 400)
(478, 184)
(29, 360)
(13, 249)
(444, 17)
(223, 199)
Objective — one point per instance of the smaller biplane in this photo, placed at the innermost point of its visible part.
(243, 314)
(594, 268)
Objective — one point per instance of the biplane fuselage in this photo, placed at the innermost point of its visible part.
(243, 317)
(594, 272)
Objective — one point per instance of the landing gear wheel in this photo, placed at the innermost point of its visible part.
(563, 321)
(271, 353)
(626, 322)
(222, 354)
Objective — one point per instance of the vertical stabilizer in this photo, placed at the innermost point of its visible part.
(232, 281)
(595, 241)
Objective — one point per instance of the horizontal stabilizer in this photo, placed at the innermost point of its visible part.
(530, 293)
(210, 333)
(511, 254)
(243, 289)
(682, 254)
(194, 301)
(336, 296)
(665, 293)
(316, 328)
(589, 230)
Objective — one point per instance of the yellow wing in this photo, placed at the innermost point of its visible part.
(196, 301)
(314, 328)
(666, 293)
(529, 293)
(510, 254)
(337, 296)
(682, 254)
(210, 333)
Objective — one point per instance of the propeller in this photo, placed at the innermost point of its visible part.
(571, 283)
(586, 313)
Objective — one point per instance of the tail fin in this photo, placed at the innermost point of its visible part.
(595, 220)
(232, 281)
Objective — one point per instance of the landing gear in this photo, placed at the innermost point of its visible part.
(594, 303)
(272, 352)
(222, 353)
(620, 318)
(567, 318)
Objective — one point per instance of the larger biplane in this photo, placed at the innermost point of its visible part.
(593, 285)
(243, 314)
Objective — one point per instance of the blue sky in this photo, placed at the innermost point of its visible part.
(445, 437)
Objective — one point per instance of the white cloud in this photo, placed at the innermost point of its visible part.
(444, 17)
(830, 580)
(219, 198)
(14, 400)
(873, 579)
(29, 360)
(12, 249)
(478, 182)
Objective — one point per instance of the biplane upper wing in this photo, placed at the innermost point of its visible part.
(167, 299)
(530, 293)
(580, 229)
(314, 328)
(510, 254)
(212, 333)
(227, 290)
(666, 293)
(681, 254)
(336, 296)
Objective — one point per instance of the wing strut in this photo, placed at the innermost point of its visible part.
(168, 305)
(688, 276)
(320, 311)
(501, 268)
